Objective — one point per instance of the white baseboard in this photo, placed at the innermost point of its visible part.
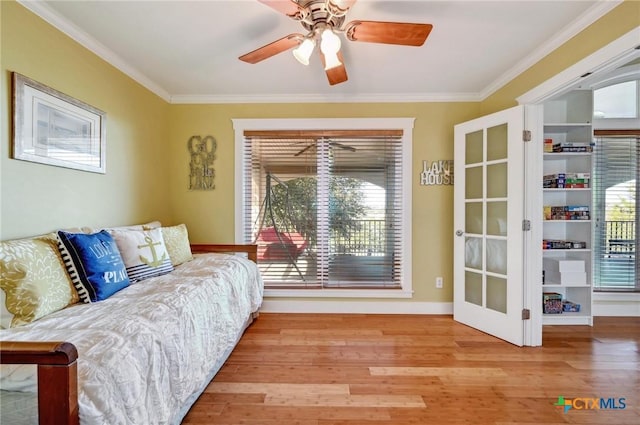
(615, 309)
(600, 307)
(616, 304)
(359, 307)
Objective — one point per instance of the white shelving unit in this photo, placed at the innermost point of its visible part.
(568, 119)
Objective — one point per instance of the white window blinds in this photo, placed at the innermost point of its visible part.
(325, 207)
(615, 199)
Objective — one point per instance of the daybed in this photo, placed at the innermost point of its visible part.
(141, 356)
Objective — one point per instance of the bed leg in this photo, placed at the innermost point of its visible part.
(58, 394)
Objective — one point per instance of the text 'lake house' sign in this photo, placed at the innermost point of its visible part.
(437, 172)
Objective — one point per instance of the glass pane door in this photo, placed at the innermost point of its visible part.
(487, 200)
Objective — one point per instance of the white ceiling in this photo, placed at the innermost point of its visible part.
(187, 51)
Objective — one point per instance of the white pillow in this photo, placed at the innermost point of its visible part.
(143, 252)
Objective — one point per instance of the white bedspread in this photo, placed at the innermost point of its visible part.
(151, 348)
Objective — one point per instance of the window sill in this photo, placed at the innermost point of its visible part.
(338, 293)
(616, 296)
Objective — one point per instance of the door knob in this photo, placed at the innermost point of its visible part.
(459, 233)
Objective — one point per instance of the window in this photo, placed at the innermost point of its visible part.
(615, 199)
(329, 209)
(616, 101)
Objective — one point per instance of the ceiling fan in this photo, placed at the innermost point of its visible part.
(324, 20)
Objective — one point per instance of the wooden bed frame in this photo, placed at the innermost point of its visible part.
(250, 250)
(57, 360)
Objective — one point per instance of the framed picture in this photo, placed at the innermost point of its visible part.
(52, 128)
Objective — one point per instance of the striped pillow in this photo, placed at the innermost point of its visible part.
(94, 264)
(144, 253)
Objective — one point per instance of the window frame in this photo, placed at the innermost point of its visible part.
(601, 135)
(621, 75)
(404, 124)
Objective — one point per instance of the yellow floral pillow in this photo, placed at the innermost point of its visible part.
(176, 239)
(33, 280)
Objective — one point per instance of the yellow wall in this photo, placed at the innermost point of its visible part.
(147, 157)
(209, 215)
(40, 198)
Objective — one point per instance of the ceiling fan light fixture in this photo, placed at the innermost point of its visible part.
(330, 42)
(337, 7)
(303, 52)
(331, 60)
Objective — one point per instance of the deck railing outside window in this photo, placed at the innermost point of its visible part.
(369, 238)
(620, 237)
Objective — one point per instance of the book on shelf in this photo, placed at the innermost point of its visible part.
(551, 303)
(570, 307)
(563, 244)
(566, 212)
(548, 145)
(572, 147)
(566, 181)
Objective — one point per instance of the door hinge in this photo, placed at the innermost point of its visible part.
(526, 135)
(526, 225)
(526, 314)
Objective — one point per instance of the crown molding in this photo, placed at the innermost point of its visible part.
(48, 14)
(333, 98)
(45, 12)
(594, 13)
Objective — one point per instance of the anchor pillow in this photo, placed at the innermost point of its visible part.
(144, 253)
(94, 264)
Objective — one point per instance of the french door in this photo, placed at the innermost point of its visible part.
(488, 224)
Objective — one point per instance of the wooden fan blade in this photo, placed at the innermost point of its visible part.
(403, 33)
(271, 49)
(287, 7)
(338, 74)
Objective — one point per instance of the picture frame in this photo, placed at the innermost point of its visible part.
(50, 127)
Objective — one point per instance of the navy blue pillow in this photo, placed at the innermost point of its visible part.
(94, 264)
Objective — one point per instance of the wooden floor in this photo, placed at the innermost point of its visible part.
(337, 369)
